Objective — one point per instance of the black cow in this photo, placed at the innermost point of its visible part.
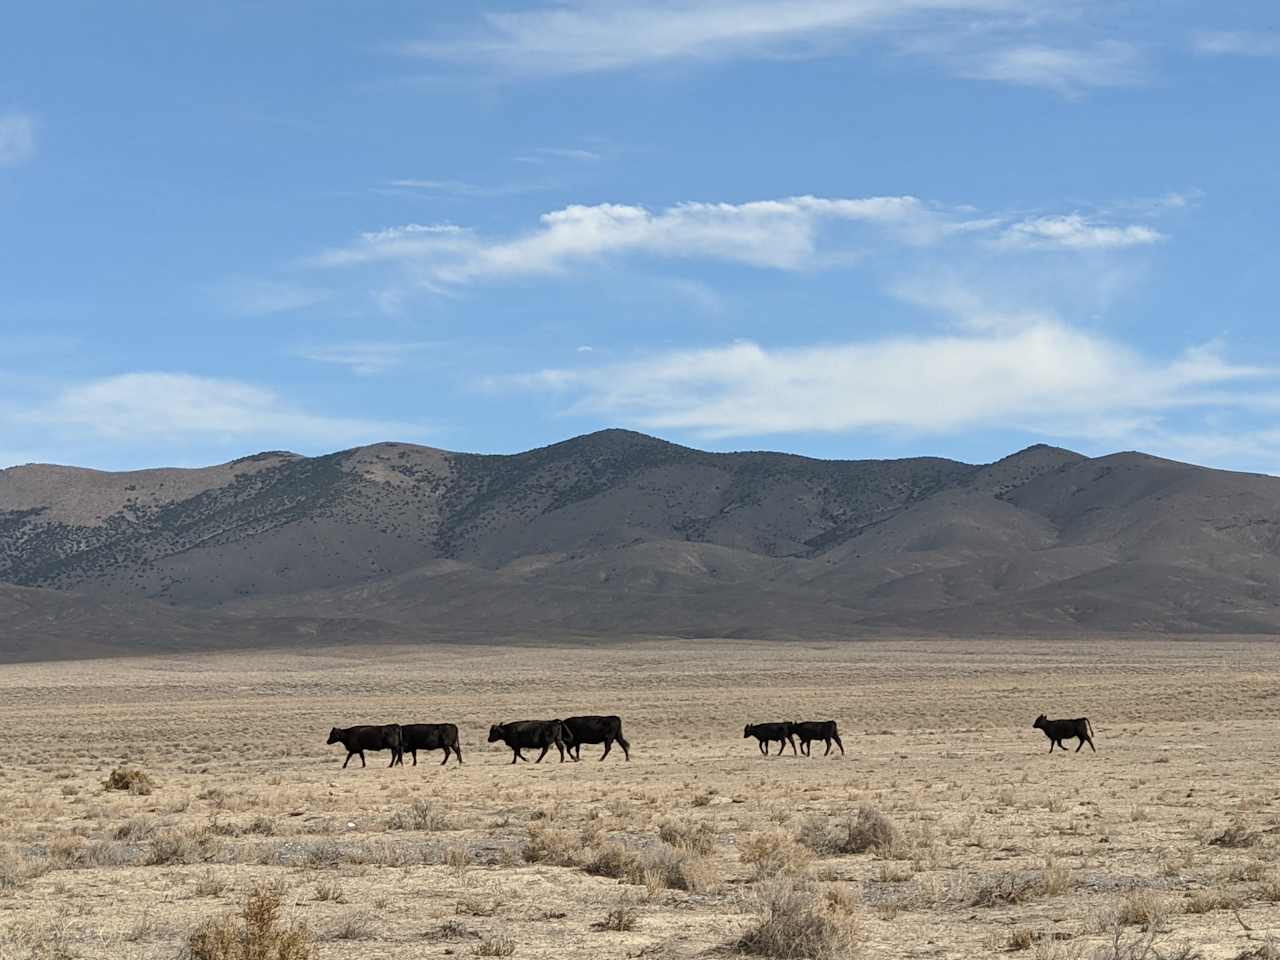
(430, 736)
(1059, 730)
(825, 730)
(596, 730)
(359, 739)
(765, 732)
(519, 734)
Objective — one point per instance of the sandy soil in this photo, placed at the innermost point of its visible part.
(975, 841)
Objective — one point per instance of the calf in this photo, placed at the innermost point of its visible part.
(359, 739)
(430, 736)
(825, 730)
(765, 732)
(1059, 730)
(596, 730)
(521, 734)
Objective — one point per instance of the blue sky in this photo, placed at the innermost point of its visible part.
(845, 228)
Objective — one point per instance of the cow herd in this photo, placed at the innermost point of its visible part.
(568, 736)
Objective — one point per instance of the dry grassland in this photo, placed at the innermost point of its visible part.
(947, 830)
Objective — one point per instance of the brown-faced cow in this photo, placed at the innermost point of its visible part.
(357, 740)
(596, 730)
(1059, 730)
(430, 736)
(767, 732)
(528, 734)
(824, 730)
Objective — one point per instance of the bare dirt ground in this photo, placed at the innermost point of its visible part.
(947, 830)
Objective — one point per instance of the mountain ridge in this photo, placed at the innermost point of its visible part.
(617, 532)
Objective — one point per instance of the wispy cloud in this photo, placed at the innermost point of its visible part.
(260, 298)
(366, 358)
(543, 154)
(463, 188)
(1012, 41)
(1044, 377)
(792, 233)
(17, 138)
(1076, 232)
(1229, 43)
(1067, 70)
(142, 407)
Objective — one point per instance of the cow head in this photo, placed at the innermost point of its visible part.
(495, 732)
(334, 735)
(1040, 722)
(746, 731)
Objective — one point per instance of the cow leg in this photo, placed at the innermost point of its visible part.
(626, 747)
(1051, 746)
(544, 753)
(793, 746)
(828, 750)
(446, 756)
(414, 754)
(763, 749)
(608, 744)
(348, 760)
(836, 738)
(560, 747)
(394, 757)
(362, 763)
(1089, 740)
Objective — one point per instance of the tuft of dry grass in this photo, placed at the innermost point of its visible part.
(18, 868)
(1140, 908)
(867, 831)
(794, 920)
(421, 815)
(622, 916)
(495, 945)
(257, 933)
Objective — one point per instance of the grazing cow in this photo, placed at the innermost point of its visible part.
(765, 732)
(521, 734)
(596, 730)
(1059, 730)
(825, 730)
(430, 736)
(359, 739)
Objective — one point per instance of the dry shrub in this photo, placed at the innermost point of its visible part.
(662, 866)
(607, 859)
(1055, 878)
(1268, 949)
(698, 835)
(17, 868)
(257, 933)
(1005, 888)
(459, 859)
(209, 884)
(622, 916)
(1140, 908)
(330, 891)
(496, 945)
(1020, 938)
(551, 844)
(180, 846)
(1237, 834)
(794, 920)
(773, 853)
(354, 926)
(1143, 947)
(421, 815)
(870, 830)
(135, 829)
(133, 780)
(1207, 901)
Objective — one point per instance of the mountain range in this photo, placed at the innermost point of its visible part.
(621, 534)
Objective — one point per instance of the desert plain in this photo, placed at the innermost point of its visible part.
(947, 829)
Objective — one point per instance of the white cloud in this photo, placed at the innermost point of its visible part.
(792, 233)
(1044, 376)
(592, 35)
(1024, 42)
(17, 138)
(1076, 232)
(259, 298)
(543, 154)
(365, 358)
(1237, 43)
(1067, 70)
(140, 407)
